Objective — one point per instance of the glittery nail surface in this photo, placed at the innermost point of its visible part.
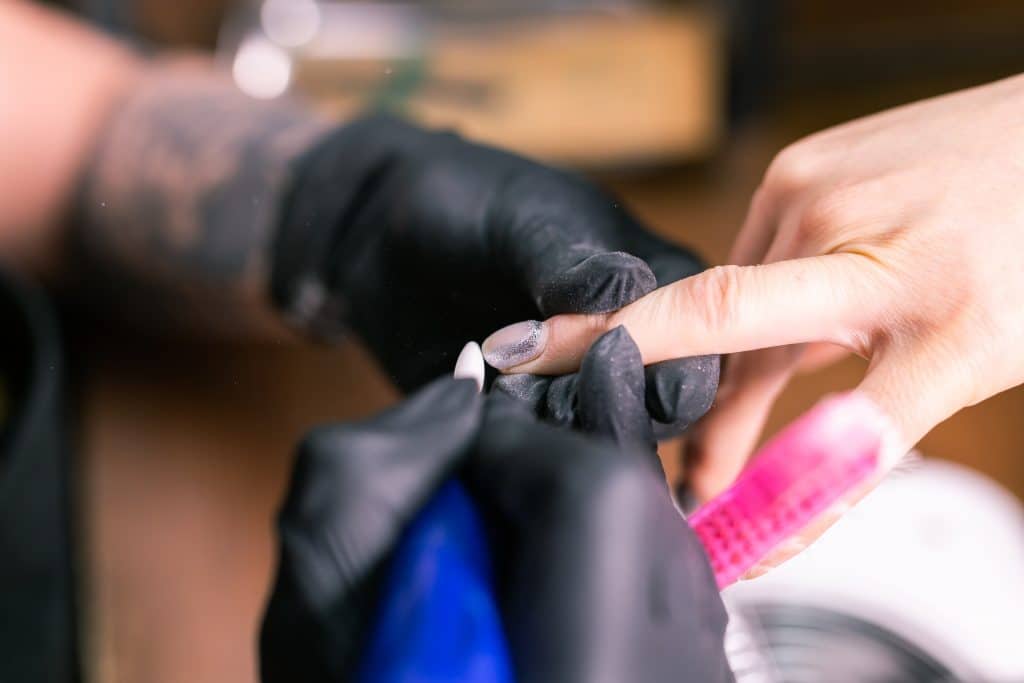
(516, 344)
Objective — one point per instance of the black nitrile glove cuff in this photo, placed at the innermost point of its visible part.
(330, 184)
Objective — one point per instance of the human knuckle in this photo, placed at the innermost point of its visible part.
(569, 336)
(793, 167)
(601, 322)
(715, 293)
(820, 219)
(833, 220)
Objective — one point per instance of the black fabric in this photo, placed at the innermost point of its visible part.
(421, 241)
(37, 624)
(331, 184)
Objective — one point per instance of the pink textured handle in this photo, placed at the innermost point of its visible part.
(805, 469)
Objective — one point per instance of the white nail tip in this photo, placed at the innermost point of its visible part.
(470, 365)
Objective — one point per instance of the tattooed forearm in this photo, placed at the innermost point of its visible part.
(182, 196)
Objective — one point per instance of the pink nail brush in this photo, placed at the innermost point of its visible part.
(818, 465)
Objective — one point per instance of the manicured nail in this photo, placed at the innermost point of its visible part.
(470, 365)
(516, 344)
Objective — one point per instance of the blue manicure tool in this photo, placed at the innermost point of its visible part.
(438, 619)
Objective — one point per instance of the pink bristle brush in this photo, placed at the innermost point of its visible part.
(796, 485)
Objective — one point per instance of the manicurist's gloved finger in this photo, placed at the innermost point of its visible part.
(530, 390)
(353, 490)
(599, 577)
(679, 390)
(560, 236)
(611, 391)
(677, 393)
(607, 397)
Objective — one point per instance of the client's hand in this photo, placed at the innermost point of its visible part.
(897, 237)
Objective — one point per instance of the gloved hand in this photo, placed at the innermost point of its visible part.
(354, 488)
(598, 574)
(422, 241)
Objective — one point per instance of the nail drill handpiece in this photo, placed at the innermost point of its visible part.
(438, 618)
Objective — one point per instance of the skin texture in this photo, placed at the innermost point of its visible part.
(50, 66)
(182, 194)
(896, 237)
(150, 187)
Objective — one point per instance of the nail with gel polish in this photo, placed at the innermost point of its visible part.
(516, 344)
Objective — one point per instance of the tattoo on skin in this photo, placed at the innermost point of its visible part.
(182, 196)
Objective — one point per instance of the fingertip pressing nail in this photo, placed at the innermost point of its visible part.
(515, 344)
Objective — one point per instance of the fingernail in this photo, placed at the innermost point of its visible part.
(470, 365)
(516, 344)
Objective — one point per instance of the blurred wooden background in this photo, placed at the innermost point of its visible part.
(186, 447)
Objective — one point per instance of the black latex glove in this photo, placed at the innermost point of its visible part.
(422, 241)
(600, 578)
(354, 488)
(598, 574)
(670, 397)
